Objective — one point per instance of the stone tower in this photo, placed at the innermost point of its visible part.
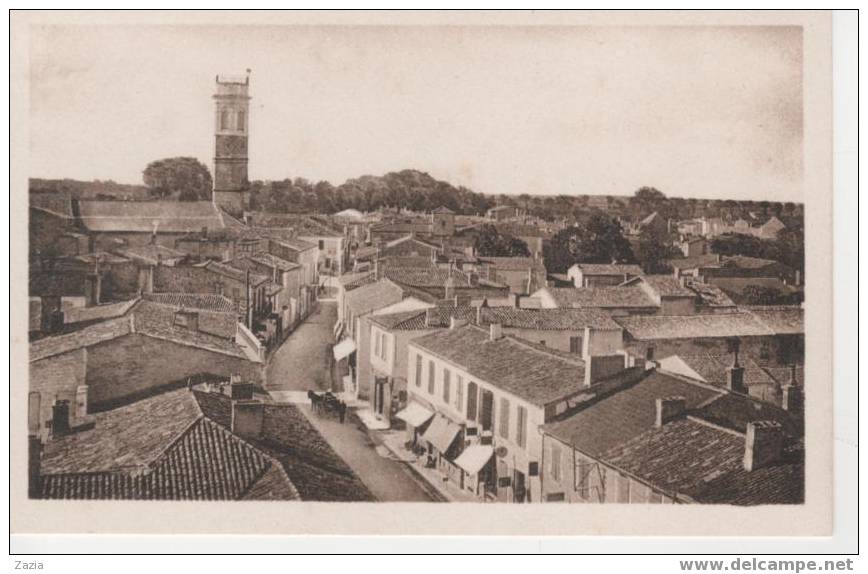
(231, 123)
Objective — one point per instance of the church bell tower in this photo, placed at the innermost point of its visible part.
(231, 123)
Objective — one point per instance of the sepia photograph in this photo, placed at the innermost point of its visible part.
(551, 267)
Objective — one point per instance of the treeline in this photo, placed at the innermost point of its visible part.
(407, 189)
(97, 189)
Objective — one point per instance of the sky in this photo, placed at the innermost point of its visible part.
(707, 112)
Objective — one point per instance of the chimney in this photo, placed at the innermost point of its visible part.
(495, 331)
(764, 444)
(598, 367)
(60, 418)
(735, 377)
(93, 288)
(479, 314)
(429, 317)
(239, 390)
(81, 402)
(247, 418)
(514, 300)
(378, 271)
(455, 322)
(668, 408)
(791, 393)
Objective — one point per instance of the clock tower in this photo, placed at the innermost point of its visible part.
(231, 123)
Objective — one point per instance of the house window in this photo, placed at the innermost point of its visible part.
(446, 381)
(376, 344)
(459, 393)
(765, 351)
(543, 343)
(649, 353)
(418, 370)
(555, 462)
(430, 377)
(576, 345)
(504, 418)
(384, 347)
(224, 120)
(520, 426)
(321, 244)
(583, 471)
(472, 398)
(240, 122)
(555, 497)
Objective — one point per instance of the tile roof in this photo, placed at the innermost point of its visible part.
(59, 204)
(514, 263)
(734, 411)
(602, 297)
(228, 270)
(160, 448)
(624, 414)
(98, 312)
(652, 327)
(706, 260)
(313, 467)
(609, 268)
(509, 317)
(269, 260)
(151, 253)
(532, 372)
(373, 296)
(735, 286)
(746, 262)
(784, 375)
(782, 320)
(688, 458)
(667, 286)
(713, 369)
(145, 216)
(709, 295)
(198, 301)
(90, 335)
(216, 330)
(350, 281)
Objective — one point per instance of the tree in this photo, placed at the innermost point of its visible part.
(762, 295)
(653, 251)
(183, 177)
(597, 239)
(491, 243)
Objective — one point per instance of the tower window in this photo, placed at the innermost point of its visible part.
(224, 120)
(240, 123)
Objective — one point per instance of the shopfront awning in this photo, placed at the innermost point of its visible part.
(475, 457)
(415, 415)
(344, 349)
(441, 433)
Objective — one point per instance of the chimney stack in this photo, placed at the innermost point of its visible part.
(668, 408)
(735, 374)
(247, 418)
(60, 418)
(495, 331)
(429, 317)
(81, 402)
(455, 322)
(479, 314)
(764, 444)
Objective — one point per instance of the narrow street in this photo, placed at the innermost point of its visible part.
(299, 365)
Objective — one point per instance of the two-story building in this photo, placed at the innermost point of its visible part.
(476, 398)
(666, 439)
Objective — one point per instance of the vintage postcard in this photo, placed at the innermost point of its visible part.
(321, 273)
